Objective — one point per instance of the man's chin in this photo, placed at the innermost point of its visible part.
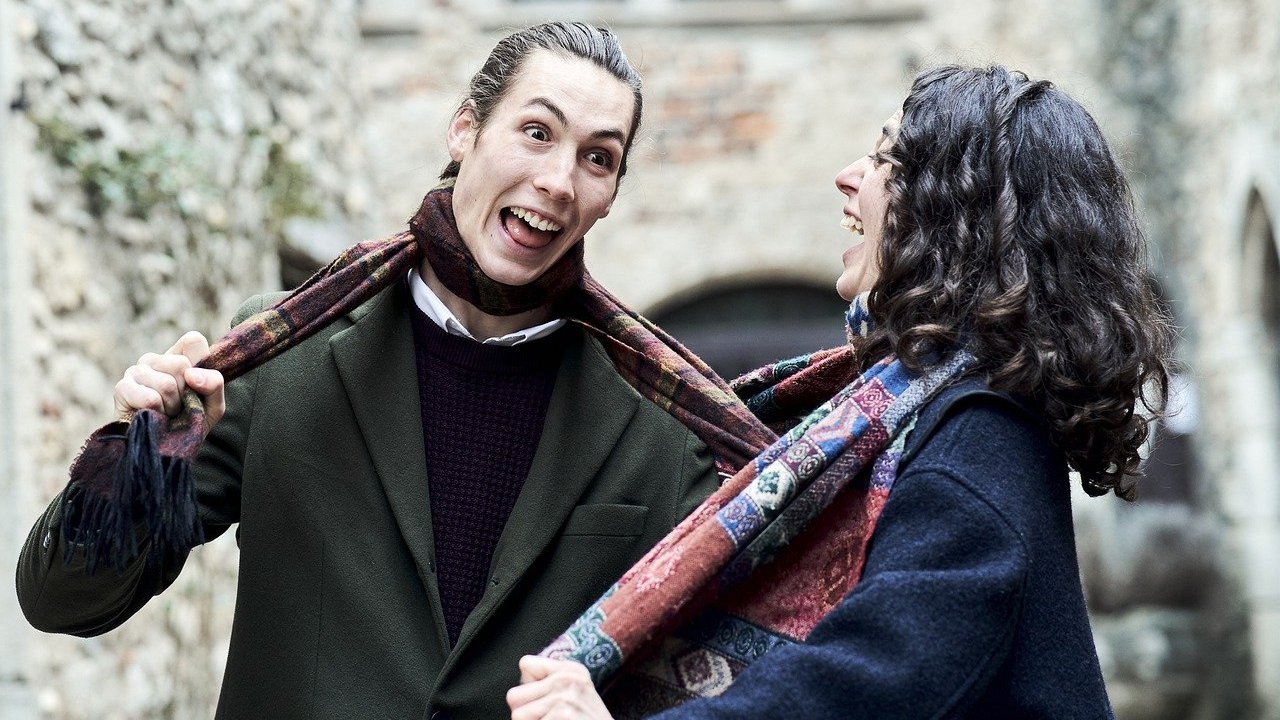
(510, 273)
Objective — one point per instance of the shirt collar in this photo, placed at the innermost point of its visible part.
(433, 307)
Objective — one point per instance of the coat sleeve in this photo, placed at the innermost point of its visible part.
(922, 632)
(58, 595)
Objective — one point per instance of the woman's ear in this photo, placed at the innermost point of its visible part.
(461, 135)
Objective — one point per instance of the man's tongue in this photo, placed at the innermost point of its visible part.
(524, 233)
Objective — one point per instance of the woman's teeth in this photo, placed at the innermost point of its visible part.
(852, 224)
(535, 220)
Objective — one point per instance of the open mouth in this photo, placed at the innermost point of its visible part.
(852, 224)
(529, 228)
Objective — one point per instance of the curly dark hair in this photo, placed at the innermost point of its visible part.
(1010, 230)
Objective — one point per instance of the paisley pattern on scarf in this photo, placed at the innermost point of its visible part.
(773, 551)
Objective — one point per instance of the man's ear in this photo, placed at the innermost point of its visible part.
(461, 135)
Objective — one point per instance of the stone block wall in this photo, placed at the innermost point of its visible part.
(1228, 225)
(166, 146)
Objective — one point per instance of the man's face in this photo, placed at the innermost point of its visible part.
(543, 168)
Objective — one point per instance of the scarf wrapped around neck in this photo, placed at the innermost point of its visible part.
(754, 567)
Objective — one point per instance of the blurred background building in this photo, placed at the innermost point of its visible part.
(161, 161)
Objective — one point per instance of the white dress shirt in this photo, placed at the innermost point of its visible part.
(431, 304)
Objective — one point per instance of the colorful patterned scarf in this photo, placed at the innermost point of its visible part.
(763, 559)
(139, 472)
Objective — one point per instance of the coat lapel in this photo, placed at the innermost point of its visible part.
(590, 408)
(375, 359)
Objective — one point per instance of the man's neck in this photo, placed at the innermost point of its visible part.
(479, 323)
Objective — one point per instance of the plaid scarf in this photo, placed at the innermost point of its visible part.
(457, 269)
(139, 472)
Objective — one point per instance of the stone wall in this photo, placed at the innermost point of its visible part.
(168, 146)
(1230, 164)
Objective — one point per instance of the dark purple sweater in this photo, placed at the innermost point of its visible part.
(483, 407)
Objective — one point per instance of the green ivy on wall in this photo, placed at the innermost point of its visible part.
(136, 181)
(288, 188)
(140, 181)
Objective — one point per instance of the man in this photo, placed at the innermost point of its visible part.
(440, 482)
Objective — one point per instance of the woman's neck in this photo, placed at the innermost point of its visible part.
(480, 324)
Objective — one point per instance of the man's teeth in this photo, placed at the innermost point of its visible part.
(535, 220)
(852, 224)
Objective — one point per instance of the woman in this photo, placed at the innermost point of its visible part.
(998, 238)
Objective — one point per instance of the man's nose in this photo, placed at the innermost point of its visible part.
(556, 177)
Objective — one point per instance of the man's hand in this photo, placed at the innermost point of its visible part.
(555, 690)
(157, 382)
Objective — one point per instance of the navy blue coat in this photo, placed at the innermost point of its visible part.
(970, 605)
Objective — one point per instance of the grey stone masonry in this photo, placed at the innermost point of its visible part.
(165, 149)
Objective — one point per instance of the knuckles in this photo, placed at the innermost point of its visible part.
(167, 385)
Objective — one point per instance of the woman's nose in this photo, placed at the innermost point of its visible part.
(850, 178)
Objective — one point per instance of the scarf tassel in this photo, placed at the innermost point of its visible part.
(146, 488)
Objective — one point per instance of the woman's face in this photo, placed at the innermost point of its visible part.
(544, 166)
(862, 184)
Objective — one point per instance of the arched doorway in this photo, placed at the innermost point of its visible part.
(743, 325)
(1254, 520)
(1261, 281)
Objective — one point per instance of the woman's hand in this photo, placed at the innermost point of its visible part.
(158, 381)
(555, 690)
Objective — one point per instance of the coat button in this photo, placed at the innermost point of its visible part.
(439, 715)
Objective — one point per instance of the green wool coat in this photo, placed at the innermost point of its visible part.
(320, 461)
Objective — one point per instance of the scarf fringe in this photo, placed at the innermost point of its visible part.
(145, 487)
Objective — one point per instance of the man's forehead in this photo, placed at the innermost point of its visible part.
(577, 91)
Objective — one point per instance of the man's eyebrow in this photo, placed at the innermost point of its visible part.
(612, 133)
(551, 107)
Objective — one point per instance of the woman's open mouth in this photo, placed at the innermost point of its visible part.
(852, 224)
(529, 228)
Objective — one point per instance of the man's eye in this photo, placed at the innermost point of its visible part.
(600, 158)
(537, 132)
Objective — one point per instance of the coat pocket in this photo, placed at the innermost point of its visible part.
(607, 519)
